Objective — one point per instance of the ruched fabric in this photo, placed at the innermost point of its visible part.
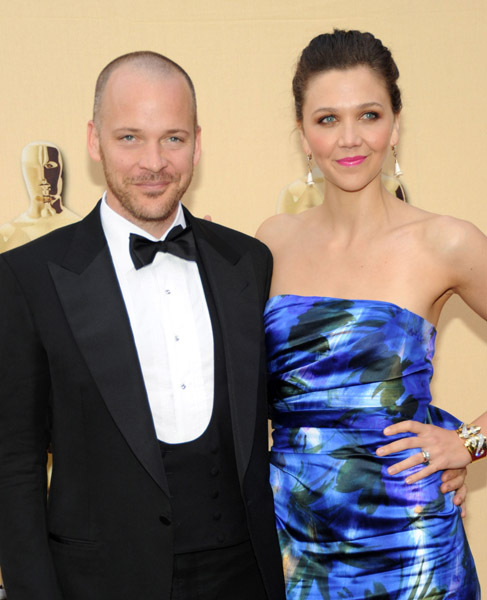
(339, 372)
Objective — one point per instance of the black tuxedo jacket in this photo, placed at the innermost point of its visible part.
(70, 379)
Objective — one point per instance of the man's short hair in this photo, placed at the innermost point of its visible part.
(145, 59)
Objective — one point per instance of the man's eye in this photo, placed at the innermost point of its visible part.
(174, 138)
(128, 137)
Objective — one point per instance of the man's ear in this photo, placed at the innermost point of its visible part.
(93, 141)
(197, 146)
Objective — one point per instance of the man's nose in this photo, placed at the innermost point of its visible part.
(152, 157)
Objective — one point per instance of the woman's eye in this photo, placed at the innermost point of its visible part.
(370, 115)
(328, 119)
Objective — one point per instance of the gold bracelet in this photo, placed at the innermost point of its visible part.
(475, 442)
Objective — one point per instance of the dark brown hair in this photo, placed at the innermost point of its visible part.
(345, 50)
(145, 59)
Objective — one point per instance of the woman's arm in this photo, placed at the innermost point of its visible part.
(463, 249)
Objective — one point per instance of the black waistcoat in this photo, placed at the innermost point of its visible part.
(207, 505)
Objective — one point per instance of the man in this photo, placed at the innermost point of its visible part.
(147, 379)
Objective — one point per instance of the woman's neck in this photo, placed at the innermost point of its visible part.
(359, 213)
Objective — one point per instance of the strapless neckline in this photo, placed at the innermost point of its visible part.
(278, 297)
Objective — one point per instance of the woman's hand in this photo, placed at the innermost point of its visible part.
(454, 480)
(443, 448)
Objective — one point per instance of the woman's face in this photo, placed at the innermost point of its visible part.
(348, 126)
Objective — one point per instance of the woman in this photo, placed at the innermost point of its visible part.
(359, 283)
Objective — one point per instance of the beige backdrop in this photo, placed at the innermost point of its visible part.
(241, 54)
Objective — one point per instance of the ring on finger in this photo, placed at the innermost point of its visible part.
(426, 457)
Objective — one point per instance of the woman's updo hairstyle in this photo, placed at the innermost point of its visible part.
(345, 50)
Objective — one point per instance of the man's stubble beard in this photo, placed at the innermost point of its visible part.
(128, 199)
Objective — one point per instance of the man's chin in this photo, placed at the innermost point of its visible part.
(161, 213)
(149, 206)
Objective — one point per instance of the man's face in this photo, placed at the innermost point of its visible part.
(147, 143)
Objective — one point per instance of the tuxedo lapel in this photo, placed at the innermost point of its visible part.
(230, 276)
(92, 301)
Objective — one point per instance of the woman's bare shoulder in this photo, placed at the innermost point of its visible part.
(277, 229)
(441, 232)
(446, 234)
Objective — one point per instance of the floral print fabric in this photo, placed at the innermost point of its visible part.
(339, 372)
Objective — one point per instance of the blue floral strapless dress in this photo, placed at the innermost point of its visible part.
(340, 371)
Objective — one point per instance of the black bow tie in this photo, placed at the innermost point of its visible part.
(179, 242)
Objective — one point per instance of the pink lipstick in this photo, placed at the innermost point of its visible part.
(351, 161)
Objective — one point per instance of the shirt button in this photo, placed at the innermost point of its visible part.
(220, 538)
(167, 292)
(214, 471)
(215, 494)
(183, 386)
(176, 338)
(217, 516)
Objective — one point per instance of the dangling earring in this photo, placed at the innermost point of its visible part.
(397, 168)
(309, 178)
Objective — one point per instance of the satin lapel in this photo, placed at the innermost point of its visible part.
(231, 279)
(90, 295)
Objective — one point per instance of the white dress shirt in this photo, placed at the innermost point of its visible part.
(172, 330)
